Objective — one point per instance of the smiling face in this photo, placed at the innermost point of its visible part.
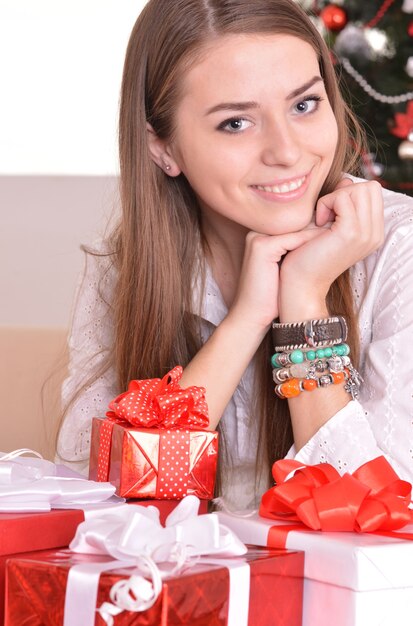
(255, 135)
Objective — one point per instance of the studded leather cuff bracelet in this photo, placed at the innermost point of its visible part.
(310, 334)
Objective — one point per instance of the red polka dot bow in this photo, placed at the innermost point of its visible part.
(161, 403)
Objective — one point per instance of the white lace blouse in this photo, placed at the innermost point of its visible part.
(381, 422)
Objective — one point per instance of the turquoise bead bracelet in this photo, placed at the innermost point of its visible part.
(281, 359)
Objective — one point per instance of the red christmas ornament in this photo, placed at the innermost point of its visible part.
(403, 125)
(334, 17)
(410, 29)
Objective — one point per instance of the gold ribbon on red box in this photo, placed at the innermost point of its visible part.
(372, 499)
(159, 404)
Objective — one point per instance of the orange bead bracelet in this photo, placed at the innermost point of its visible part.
(294, 386)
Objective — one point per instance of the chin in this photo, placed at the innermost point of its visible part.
(292, 226)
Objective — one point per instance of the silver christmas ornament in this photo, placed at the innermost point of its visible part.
(409, 67)
(380, 43)
(406, 148)
(407, 6)
(352, 42)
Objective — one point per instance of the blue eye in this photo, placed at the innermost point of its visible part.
(234, 125)
(308, 105)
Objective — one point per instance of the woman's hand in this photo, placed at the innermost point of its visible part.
(352, 227)
(257, 297)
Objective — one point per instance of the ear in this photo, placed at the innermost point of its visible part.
(161, 153)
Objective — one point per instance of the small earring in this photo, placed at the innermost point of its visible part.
(166, 165)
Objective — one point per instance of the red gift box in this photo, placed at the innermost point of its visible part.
(154, 443)
(24, 533)
(27, 532)
(199, 596)
(139, 462)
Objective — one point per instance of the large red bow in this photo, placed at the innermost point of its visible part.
(161, 403)
(372, 498)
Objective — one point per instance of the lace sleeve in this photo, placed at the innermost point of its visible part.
(83, 394)
(382, 422)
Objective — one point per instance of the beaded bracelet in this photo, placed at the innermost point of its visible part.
(309, 369)
(294, 386)
(299, 370)
(281, 359)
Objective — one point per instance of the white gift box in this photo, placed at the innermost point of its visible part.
(351, 579)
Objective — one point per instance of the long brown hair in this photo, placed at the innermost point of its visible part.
(159, 239)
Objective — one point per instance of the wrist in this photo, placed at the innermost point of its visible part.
(249, 320)
(301, 309)
(301, 302)
(241, 326)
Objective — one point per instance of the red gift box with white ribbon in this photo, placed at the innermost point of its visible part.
(154, 442)
(200, 596)
(22, 534)
(125, 567)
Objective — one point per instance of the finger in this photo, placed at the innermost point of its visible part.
(358, 210)
(367, 209)
(292, 241)
(324, 213)
(369, 206)
(276, 246)
(324, 209)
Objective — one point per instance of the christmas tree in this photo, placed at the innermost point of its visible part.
(372, 45)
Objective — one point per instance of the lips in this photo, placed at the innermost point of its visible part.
(285, 190)
(286, 187)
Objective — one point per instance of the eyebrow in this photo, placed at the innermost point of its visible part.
(244, 106)
(303, 88)
(232, 106)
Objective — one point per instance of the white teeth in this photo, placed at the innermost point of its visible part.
(284, 188)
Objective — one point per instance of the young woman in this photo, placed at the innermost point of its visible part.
(236, 211)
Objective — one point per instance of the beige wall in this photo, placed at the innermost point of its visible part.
(43, 221)
(32, 366)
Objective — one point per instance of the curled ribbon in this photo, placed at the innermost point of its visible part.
(134, 594)
(161, 403)
(134, 537)
(371, 499)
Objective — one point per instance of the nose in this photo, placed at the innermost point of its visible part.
(281, 145)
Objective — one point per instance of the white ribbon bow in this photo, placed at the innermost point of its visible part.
(32, 484)
(134, 536)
